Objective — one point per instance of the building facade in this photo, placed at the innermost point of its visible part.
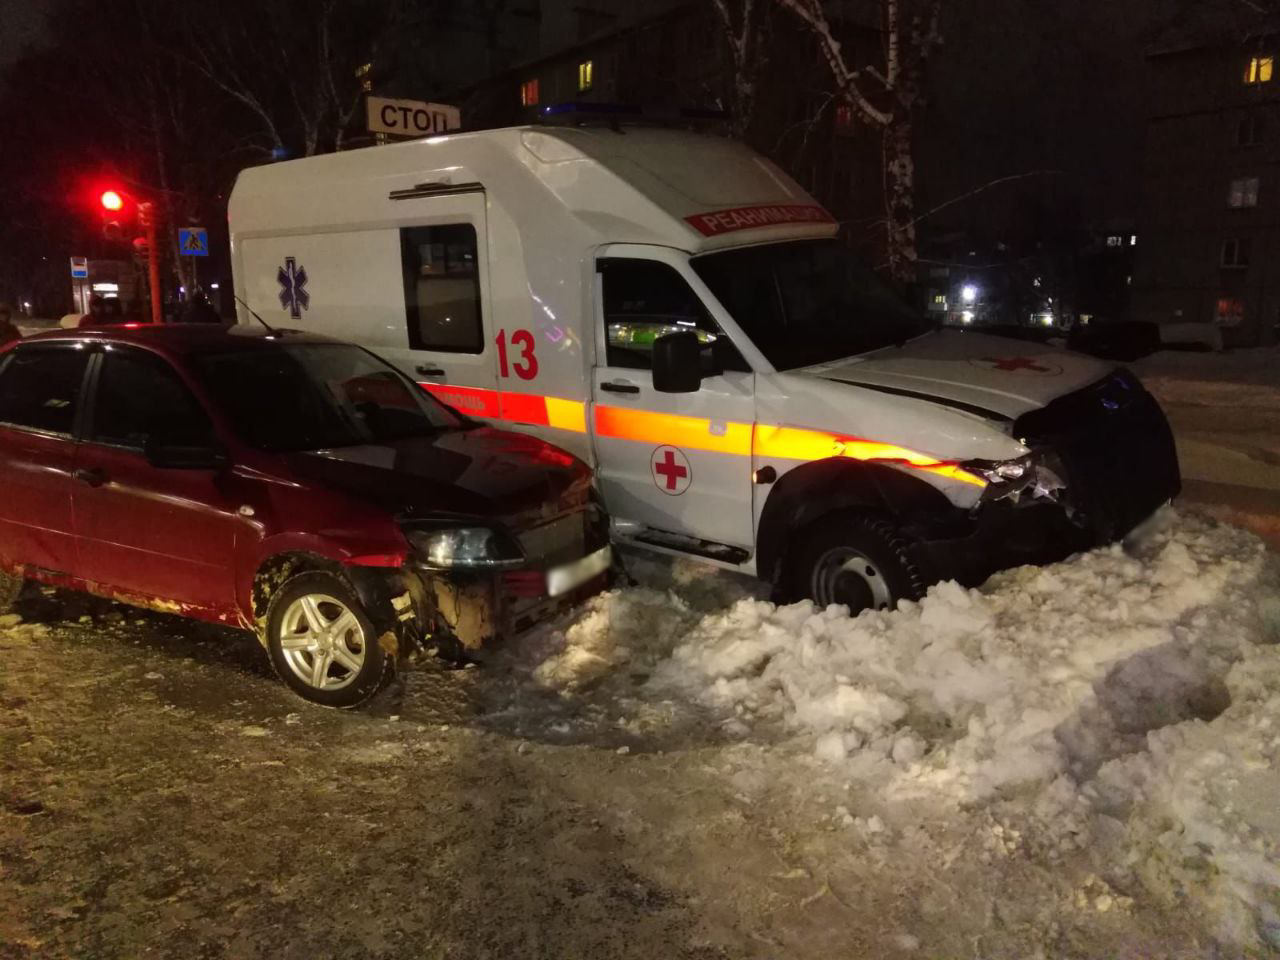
(1209, 224)
(669, 56)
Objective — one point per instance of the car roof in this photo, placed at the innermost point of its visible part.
(181, 339)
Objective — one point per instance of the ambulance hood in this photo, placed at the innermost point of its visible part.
(991, 376)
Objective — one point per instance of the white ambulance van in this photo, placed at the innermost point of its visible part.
(678, 312)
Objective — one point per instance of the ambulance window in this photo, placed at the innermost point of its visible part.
(645, 300)
(442, 288)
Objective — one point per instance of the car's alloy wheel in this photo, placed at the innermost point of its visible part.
(323, 644)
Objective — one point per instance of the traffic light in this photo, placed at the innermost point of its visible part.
(115, 214)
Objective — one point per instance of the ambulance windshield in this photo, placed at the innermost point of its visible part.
(808, 302)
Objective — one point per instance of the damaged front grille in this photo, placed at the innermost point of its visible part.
(564, 539)
(1117, 449)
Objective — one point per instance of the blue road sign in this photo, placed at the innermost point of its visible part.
(193, 241)
(79, 268)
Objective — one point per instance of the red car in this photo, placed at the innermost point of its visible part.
(296, 486)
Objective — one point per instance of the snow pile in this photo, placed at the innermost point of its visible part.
(1129, 698)
(1200, 809)
(971, 693)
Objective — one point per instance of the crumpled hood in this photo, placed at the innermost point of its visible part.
(973, 371)
(481, 472)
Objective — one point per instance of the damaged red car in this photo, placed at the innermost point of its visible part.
(289, 484)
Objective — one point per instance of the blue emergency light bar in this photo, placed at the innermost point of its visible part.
(577, 111)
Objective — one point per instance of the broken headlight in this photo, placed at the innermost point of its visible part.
(1035, 476)
(447, 548)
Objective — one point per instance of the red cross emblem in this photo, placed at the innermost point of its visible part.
(1015, 363)
(671, 472)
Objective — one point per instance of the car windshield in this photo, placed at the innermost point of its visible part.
(315, 396)
(808, 302)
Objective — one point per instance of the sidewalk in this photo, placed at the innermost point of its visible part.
(1225, 413)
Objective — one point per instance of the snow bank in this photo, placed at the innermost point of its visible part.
(1126, 696)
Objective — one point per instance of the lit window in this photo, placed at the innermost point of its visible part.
(1249, 132)
(1133, 239)
(529, 93)
(586, 75)
(1115, 240)
(940, 298)
(1243, 193)
(1229, 312)
(1259, 70)
(1235, 253)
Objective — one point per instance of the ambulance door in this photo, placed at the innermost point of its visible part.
(415, 291)
(678, 463)
(447, 319)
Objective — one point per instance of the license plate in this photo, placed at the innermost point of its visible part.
(572, 575)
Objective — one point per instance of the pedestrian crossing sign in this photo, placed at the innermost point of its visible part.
(193, 241)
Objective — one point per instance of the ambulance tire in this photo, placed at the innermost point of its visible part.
(10, 588)
(859, 559)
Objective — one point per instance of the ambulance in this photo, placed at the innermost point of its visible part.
(676, 311)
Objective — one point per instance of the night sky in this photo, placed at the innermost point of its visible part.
(23, 24)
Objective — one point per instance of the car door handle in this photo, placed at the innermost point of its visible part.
(424, 371)
(94, 477)
(620, 387)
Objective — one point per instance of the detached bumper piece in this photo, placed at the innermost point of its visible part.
(1112, 449)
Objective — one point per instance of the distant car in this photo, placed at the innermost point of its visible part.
(289, 484)
(1123, 340)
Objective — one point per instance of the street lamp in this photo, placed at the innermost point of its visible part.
(969, 293)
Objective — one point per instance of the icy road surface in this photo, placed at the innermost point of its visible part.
(1079, 761)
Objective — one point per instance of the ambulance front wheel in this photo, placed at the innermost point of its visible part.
(860, 560)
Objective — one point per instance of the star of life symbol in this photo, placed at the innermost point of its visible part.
(293, 288)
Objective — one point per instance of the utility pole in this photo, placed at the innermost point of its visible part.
(146, 215)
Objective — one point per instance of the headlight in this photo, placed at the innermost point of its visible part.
(1000, 471)
(1036, 476)
(464, 547)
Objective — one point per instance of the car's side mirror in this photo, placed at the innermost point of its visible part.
(677, 363)
(168, 455)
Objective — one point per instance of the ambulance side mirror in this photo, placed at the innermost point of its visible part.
(677, 364)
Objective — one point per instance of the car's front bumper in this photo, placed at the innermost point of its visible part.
(969, 547)
(1119, 465)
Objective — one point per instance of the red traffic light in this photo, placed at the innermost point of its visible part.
(111, 200)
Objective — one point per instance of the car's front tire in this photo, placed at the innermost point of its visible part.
(857, 559)
(323, 644)
(10, 588)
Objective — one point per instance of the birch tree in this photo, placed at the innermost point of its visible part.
(745, 24)
(289, 65)
(882, 91)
